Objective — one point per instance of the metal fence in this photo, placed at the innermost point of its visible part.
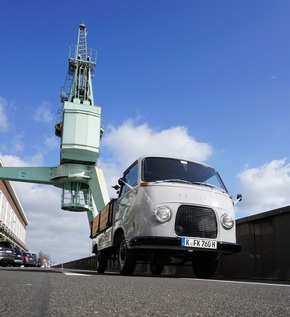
(265, 241)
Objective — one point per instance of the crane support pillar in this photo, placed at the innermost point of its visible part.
(100, 194)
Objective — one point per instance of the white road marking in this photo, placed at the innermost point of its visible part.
(77, 274)
(238, 282)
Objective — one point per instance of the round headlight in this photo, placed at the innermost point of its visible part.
(162, 213)
(227, 221)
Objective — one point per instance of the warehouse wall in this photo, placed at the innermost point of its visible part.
(265, 241)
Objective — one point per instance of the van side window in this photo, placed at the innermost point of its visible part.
(131, 178)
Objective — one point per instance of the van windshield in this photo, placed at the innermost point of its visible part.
(174, 170)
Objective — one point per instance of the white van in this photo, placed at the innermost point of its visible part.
(169, 211)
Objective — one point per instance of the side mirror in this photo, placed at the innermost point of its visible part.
(116, 187)
(121, 181)
(239, 198)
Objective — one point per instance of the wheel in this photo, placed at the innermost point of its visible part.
(102, 261)
(126, 258)
(204, 264)
(156, 268)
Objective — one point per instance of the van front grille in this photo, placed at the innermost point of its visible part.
(196, 221)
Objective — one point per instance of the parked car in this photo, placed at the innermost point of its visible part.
(18, 261)
(38, 263)
(28, 259)
(35, 259)
(7, 253)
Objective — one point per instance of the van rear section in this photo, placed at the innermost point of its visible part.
(103, 220)
(169, 212)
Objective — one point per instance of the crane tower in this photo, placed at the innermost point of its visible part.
(79, 128)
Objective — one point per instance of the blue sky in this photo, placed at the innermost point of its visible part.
(203, 79)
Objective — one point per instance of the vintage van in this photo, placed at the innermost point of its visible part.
(169, 211)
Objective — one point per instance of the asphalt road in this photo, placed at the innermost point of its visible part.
(54, 292)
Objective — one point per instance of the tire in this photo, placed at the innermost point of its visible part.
(126, 258)
(102, 261)
(204, 264)
(156, 268)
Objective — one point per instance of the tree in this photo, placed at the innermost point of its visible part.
(44, 258)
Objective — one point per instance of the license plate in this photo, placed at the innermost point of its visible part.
(198, 243)
(8, 251)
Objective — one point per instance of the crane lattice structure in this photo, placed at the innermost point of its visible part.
(82, 182)
(82, 62)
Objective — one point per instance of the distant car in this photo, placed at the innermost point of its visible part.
(38, 262)
(35, 259)
(28, 259)
(18, 261)
(7, 253)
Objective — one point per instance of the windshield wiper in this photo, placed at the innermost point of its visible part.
(209, 185)
(177, 180)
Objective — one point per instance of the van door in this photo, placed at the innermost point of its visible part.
(127, 198)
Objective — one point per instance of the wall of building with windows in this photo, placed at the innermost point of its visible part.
(13, 221)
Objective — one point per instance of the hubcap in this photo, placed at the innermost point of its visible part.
(122, 253)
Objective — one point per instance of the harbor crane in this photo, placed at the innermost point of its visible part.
(80, 130)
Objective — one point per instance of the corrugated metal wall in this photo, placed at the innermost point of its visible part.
(265, 241)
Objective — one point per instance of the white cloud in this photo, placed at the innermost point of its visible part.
(3, 117)
(43, 113)
(12, 143)
(17, 143)
(51, 142)
(61, 234)
(112, 172)
(16, 161)
(124, 144)
(264, 188)
(128, 142)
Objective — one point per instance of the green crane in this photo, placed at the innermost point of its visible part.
(79, 127)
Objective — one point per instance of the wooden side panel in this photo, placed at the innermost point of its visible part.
(104, 217)
(95, 226)
(103, 220)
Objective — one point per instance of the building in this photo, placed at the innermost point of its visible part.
(13, 221)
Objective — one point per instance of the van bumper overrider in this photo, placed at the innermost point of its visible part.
(155, 242)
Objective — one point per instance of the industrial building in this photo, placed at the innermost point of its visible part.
(13, 221)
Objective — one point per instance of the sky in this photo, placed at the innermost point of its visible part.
(204, 80)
